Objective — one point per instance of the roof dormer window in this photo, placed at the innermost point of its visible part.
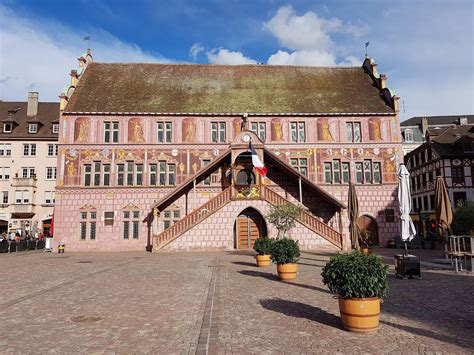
(7, 127)
(55, 127)
(32, 128)
(408, 135)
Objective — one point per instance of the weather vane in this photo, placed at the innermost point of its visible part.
(366, 45)
(88, 39)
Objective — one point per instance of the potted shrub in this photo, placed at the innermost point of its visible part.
(360, 281)
(285, 253)
(263, 247)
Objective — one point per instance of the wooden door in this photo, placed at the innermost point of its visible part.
(248, 229)
(366, 222)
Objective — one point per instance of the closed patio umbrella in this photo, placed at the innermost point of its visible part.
(154, 226)
(353, 211)
(407, 228)
(444, 211)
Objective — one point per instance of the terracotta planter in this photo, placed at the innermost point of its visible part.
(360, 315)
(287, 271)
(365, 250)
(263, 260)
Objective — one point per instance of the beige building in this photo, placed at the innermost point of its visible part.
(28, 153)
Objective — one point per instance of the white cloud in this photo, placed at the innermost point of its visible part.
(351, 61)
(224, 56)
(308, 31)
(38, 54)
(303, 57)
(195, 50)
(308, 36)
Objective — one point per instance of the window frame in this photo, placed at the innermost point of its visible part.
(297, 131)
(351, 131)
(55, 128)
(164, 131)
(32, 128)
(131, 218)
(218, 129)
(260, 129)
(53, 173)
(7, 124)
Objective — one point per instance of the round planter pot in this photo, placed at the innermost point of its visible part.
(263, 260)
(287, 271)
(365, 250)
(360, 315)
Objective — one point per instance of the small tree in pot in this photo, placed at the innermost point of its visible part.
(263, 246)
(360, 281)
(285, 251)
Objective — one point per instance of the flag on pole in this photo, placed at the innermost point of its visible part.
(87, 38)
(257, 163)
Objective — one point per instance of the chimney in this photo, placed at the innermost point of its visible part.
(462, 121)
(424, 125)
(383, 81)
(74, 76)
(32, 109)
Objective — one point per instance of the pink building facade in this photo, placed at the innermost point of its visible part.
(156, 156)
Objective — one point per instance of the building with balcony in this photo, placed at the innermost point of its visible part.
(28, 152)
(157, 156)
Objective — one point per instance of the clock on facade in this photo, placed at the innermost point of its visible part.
(246, 138)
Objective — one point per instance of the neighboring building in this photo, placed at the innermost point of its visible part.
(448, 152)
(176, 137)
(28, 152)
(414, 129)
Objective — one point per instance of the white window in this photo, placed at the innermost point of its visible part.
(354, 132)
(131, 224)
(33, 128)
(5, 150)
(55, 127)
(300, 164)
(22, 197)
(167, 174)
(218, 132)
(28, 172)
(49, 197)
(297, 132)
(111, 132)
(259, 128)
(52, 150)
(170, 217)
(7, 127)
(5, 197)
(5, 173)
(164, 132)
(88, 218)
(51, 173)
(29, 149)
(408, 135)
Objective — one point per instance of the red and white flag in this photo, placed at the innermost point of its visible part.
(257, 163)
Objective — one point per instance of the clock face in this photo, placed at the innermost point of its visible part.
(246, 138)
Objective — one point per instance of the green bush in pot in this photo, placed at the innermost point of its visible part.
(285, 251)
(263, 246)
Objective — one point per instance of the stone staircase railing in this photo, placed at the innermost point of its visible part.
(308, 220)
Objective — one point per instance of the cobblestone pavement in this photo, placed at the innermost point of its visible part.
(186, 303)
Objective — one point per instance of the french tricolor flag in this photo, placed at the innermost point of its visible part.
(257, 163)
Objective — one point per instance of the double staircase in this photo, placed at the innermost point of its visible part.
(232, 193)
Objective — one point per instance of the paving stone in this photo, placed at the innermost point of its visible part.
(215, 303)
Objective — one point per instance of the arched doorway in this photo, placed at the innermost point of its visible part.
(249, 226)
(368, 223)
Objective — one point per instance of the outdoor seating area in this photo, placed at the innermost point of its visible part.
(460, 250)
(11, 246)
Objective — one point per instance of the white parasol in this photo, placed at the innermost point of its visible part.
(407, 228)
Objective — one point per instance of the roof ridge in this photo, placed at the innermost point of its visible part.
(231, 65)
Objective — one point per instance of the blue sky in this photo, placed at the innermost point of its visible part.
(425, 47)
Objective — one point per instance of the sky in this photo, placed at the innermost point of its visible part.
(426, 48)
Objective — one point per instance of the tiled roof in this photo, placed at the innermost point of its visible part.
(450, 141)
(191, 88)
(48, 112)
(437, 120)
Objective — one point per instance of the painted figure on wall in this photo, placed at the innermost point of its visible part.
(189, 130)
(277, 131)
(138, 133)
(82, 129)
(237, 126)
(324, 130)
(375, 133)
